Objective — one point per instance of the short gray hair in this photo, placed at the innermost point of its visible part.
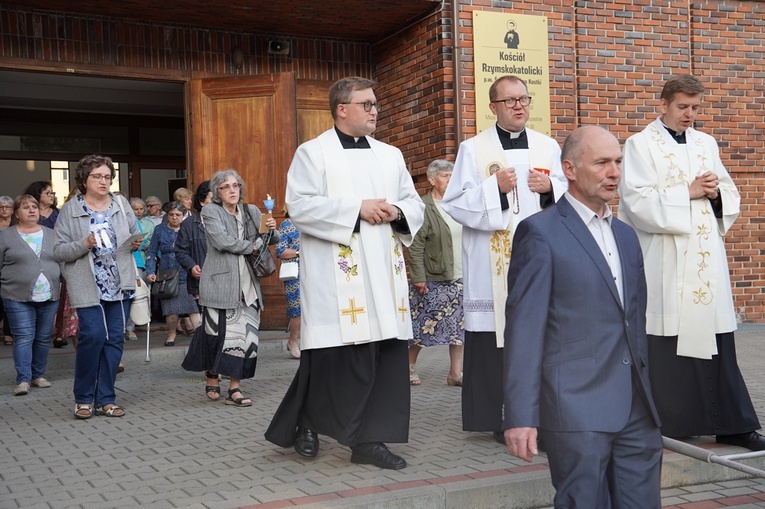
(152, 199)
(136, 199)
(6, 199)
(439, 165)
(220, 177)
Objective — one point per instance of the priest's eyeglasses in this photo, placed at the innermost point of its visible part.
(368, 105)
(510, 102)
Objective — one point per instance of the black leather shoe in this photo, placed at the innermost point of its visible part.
(307, 443)
(752, 440)
(499, 437)
(376, 454)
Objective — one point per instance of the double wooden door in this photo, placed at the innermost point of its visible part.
(253, 124)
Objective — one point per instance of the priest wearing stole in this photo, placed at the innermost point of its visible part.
(680, 199)
(355, 205)
(501, 176)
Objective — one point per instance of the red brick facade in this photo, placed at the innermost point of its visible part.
(608, 61)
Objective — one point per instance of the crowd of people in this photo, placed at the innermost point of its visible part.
(583, 334)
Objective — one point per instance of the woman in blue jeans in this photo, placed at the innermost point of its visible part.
(91, 234)
(30, 285)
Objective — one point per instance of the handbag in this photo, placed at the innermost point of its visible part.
(262, 260)
(140, 311)
(289, 271)
(166, 284)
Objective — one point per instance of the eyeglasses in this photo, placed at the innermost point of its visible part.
(6, 207)
(49, 193)
(229, 187)
(368, 105)
(153, 204)
(100, 178)
(510, 102)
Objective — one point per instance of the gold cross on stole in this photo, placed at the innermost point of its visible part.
(352, 310)
(403, 310)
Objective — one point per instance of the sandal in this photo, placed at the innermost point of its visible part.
(83, 410)
(212, 391)
(454, 382)
(170, 342)
(238, 401)
(414, 378)
(8, 340)
(112, 411)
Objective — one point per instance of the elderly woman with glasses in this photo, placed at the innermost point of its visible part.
(161, 256)
(154, 211)
(229, 290)
(91, 235)
(6, 211)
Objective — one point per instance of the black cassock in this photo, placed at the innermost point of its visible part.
(354, 394)
(699, 396)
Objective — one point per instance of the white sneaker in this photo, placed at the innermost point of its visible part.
(22, 389)
(41, 383)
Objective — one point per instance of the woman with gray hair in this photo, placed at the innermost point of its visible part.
(161, 256)
(435, 264)
(229, 290)
(145, 225)
(6, 211)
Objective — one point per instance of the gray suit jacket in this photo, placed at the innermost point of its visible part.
(219, 286)
(571, 348)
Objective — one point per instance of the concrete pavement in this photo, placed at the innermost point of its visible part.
(174, 448)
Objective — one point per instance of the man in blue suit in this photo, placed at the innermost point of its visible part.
(575, 341)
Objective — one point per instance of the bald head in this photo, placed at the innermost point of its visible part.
(592, 162)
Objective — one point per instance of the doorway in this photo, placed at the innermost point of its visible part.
(49, 121)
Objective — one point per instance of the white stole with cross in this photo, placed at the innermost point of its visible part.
(490, 157)
(698, 253)
(393, 319)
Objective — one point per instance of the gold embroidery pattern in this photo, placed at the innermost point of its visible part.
(501, 243)
(703, 294)
(352, 310)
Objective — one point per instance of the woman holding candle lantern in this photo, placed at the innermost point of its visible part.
(229, 291)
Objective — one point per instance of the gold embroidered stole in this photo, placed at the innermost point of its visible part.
(698, 253)
(353, 307)
(490, 157)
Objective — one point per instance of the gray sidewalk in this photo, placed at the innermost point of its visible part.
(174, 448)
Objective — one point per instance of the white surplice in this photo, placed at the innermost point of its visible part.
(656, 202)
(326, 219)
(473, 200)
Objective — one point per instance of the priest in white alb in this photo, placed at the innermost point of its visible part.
(355, 205)
(502, 175)
(681, 200)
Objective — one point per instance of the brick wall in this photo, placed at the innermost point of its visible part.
(414, 70)
(608, 62)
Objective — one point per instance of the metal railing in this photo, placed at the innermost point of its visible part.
(710, 457)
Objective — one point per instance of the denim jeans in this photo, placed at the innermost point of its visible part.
(99, 350)
(31, 326)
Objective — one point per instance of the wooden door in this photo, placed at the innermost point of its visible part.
(248, 124)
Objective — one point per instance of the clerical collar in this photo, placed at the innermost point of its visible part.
(351, 142)
(678, 137)
(512, 141)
